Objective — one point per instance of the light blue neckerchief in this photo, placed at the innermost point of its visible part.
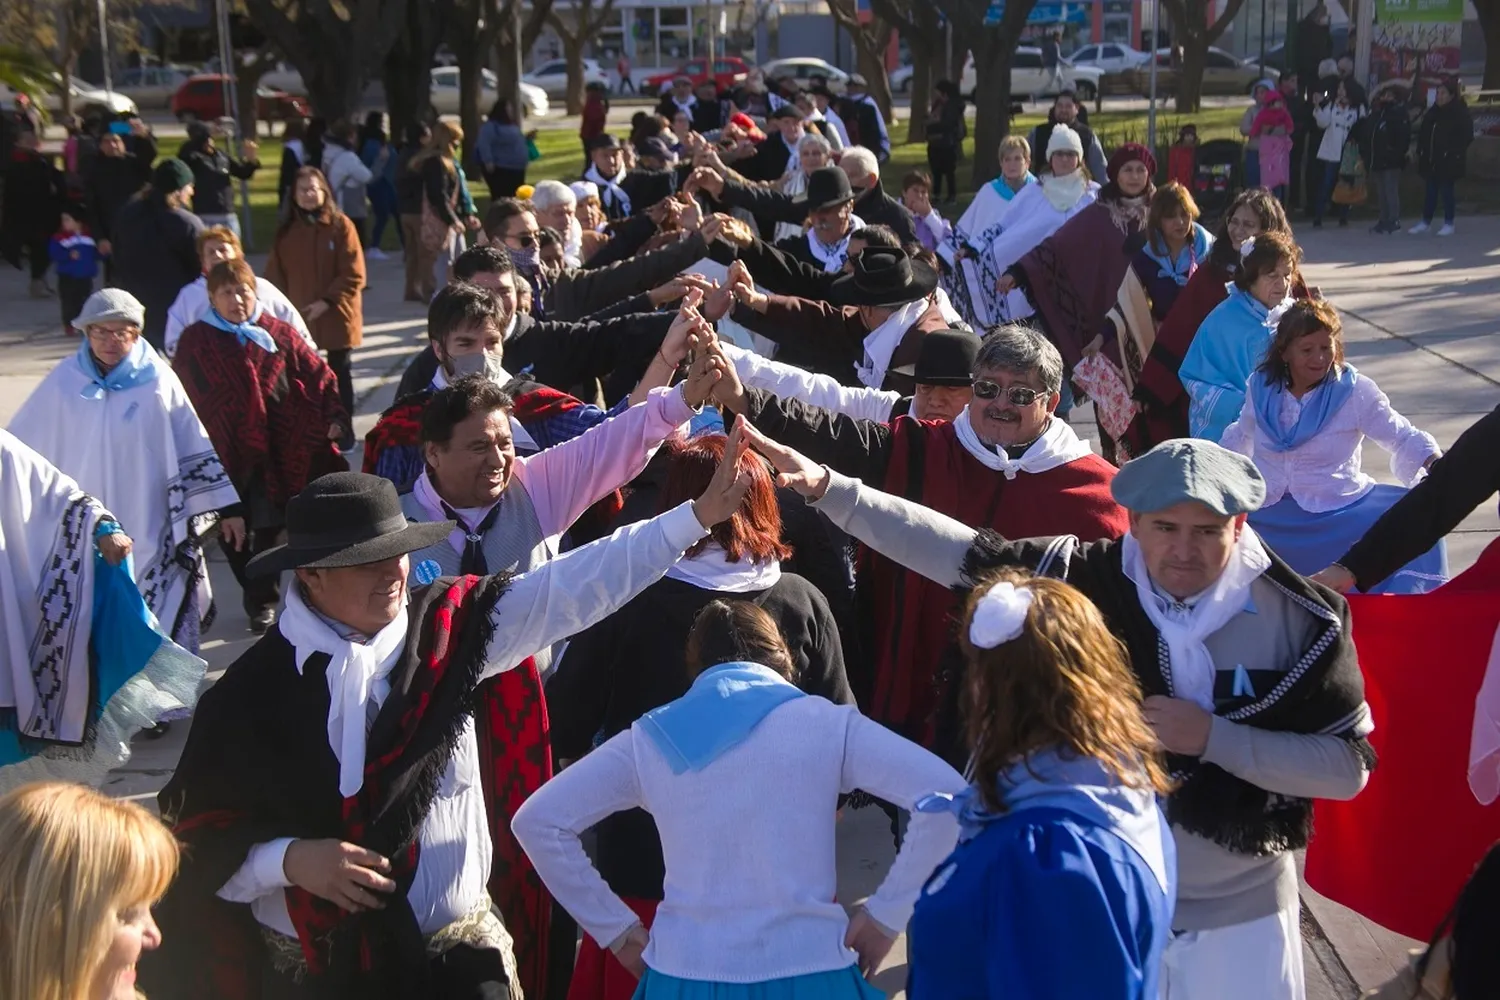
(244, 331)
(1181, 269)
(718, 713)
(139, 367)
(1326, 399)
(1003, 189)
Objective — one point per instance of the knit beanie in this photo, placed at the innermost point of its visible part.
(171, 175)
(1126, 153)
(111, 305)
(1064, 140)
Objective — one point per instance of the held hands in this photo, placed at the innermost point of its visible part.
(705, 179)
(1335, 577)
(1181, 726)
(114, 548)
(232, 530)
(717, 303)
(351, 877)
(629, 949)
(710, 368)
(1005, 284)
(729, 391)
(674, 346)
(728, 486)
(869, 941)
(793, 468)
(678, 287)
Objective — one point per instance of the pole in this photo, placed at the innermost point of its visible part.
(1263, 36)
(713, 50)
(1151, 111)
(515, 38)
(229, 91)
(109, 83)
(1364, 31)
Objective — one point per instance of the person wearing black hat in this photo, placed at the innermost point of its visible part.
(774, 154)
(830, 223)
(214, 174)
(347, 788)
(862, 113)
(943, 374)
(607, 170)
(155, 245)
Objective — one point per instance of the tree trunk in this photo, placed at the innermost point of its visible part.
(921, 96)
(991, 107)
(1190, 73)
(470, 87)
(573, 55)
(406, 70)
(1489, 23)
(246, 78)
(874, 39)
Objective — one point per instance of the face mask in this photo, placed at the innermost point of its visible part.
(526, 260)
(483, 363)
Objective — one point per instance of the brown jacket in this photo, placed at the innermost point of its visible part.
(322, 260)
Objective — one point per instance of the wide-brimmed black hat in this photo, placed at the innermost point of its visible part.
(883, 276)
(603, 141)
(827, 187)
(346, 519)
(947, 358)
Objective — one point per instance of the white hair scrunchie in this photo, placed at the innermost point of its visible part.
(1246, 247)
(1000, 615)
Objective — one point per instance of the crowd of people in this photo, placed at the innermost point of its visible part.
(729, 493)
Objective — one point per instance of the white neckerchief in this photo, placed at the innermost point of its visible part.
(881, 342)
(572, 247)
(712, 570)
(1186, 625)
(609, 187)
(1062, 193)
(1058, 445)
(692, 102)
(357, 672)
(833, 256)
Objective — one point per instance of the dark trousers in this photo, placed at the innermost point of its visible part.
(339, 362)
(361, 228)
(1325, 193)
(36, 251)
(503, 182)
(262, 592)
(463, 972)
(1387, 184)
(942, 160)
(1436, 188)
(384, 207)
(72, 292)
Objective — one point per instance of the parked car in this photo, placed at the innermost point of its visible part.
(85, 96)
(445, 93)
(1223, 74)
(152, 86)
(1112, 57)
(1027, 77)
(804, 70)
(201, 98)
(729, 71)
(1276, 54)
(552, 76)
(900, 79)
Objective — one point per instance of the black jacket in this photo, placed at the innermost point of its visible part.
(578, 292)
(408, 183)
(769, 162)
(1443, 140)
(111, 182)
(1387, 134)
(874, 207)
(948, 129)
(710, 116)
(439, 189)
(34, 196)
(155, 255)
(214, 173)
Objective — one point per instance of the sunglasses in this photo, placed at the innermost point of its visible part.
(526, 240)
(1020, 395)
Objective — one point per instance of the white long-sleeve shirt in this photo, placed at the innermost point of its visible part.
(192, 305)
(748, 841)
(790, 382)
(1325, 472)
(559, 598)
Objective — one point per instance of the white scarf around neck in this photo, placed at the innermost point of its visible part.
(1058, 445)
(609, 187)
(1185, 626)
(833, 256)
(1062, 193)
(881, 342)
(712, 570)
(357, 672)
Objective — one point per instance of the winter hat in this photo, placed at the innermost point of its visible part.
(111, 305)
(584, 190)
(1126, 153)
(1064, 140)
(171, 175)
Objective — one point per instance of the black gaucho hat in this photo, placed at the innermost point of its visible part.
(947, 358)
(827, 187)
(346, 519)
(883, 276)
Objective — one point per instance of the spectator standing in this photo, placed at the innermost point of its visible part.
(347, 175)
(1314, 45)
(28, 116)
(501, 149)
(1065, 111)
(622, 67)
(29, 215)
(945, 138)
(1051, 62)
(409, 208)
(76, 257)
(1258, 94)
(1389, 141)
(112, 179)
(377, 153)
(293, 150)
(317, 261)
(442, 221)
(1443, 139)
(1302, 124)
(592, 122)
(1336, 116)
(864, 114)
(155, 245)
(214, 174)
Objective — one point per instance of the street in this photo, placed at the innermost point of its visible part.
(1419, 318)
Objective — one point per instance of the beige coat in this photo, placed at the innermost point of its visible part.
(322, 261)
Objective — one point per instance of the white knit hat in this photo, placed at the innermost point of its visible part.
(1064, 140)
(584, 190)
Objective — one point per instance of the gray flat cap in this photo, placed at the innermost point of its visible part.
(1185, 469)
(110, 305)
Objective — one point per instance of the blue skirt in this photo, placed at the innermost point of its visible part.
(840, 984)
(1310, 542)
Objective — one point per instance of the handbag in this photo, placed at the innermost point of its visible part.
(433, 232)
(1351, 189)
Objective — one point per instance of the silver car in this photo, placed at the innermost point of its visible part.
(151, 86)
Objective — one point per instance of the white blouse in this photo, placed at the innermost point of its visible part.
(1324, 473)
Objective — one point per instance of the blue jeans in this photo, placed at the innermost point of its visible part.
(1437, 187)
(1325, 192)
(1252, 168)
(384, 206)
(229, 221)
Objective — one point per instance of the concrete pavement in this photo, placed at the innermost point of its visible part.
(1419, 318)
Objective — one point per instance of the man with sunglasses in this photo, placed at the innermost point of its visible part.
(1005, 463)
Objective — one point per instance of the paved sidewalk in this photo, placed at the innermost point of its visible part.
(1420, 318)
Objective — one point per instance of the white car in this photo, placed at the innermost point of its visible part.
(84, 95)
(900, 79)
(552, 76)
(152, 86)
(1027, 78)
(804, 70)
(1112, 57)
(445, 93)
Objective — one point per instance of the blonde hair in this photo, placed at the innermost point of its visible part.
(1063, 684)
(73, 860)
(1015, 144)
(445, 138)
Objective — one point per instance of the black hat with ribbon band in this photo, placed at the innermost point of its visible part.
(827, 187)
(883, 276)
(947, 358)
(346, 519)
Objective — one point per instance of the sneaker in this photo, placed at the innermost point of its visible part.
(1420, 227)
(1447, 229)
(375, 253)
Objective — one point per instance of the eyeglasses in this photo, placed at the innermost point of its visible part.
(526, 240)
(1020, 395)
(104, 333)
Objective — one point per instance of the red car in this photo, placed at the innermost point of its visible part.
(201, 98)
(729, 72)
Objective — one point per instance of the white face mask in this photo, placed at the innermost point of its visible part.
(483, 362)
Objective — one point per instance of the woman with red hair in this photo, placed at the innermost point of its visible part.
(635, 661)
